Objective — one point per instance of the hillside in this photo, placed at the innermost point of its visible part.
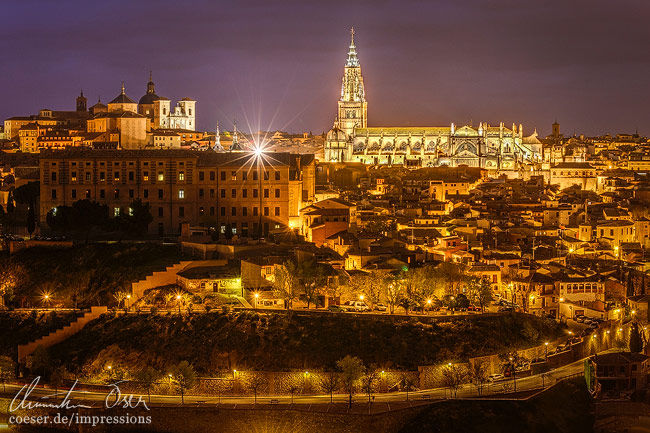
(272, 341)
(20, 328)
(91, 273)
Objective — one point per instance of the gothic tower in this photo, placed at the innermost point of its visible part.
(353, 108)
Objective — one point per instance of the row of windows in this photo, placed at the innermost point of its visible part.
(244, 193)
(181, 193)
(117, 164)
(161, 176)
(581, 287)
(577, 173)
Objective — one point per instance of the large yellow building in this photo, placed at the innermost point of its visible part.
(247, 192)
(485, 146)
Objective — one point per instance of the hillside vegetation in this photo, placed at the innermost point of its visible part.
(87, 274)
(273, 341)
(20, 328)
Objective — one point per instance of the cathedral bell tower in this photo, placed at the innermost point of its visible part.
(353, 108)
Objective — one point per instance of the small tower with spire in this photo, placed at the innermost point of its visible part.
(235, 146)
(150, 86)
(217, 140)
(82, 102)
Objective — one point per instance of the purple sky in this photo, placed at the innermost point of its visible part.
(277, 64)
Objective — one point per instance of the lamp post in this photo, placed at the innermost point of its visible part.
(514, 373)
(178, 300)
(256, 296)
(546, 350)
(128, 302)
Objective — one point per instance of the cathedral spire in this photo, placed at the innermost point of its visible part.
(217, 140)
(352, 52)
(122, 87)
(235, 139)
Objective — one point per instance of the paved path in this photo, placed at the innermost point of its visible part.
(96, 399)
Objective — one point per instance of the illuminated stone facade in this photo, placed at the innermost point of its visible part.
(485, 146)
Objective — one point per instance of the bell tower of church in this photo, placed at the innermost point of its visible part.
(353, 108)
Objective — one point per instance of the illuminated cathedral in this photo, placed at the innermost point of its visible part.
(486, 146)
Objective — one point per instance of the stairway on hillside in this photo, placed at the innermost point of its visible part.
(55, 337)
(157, 279)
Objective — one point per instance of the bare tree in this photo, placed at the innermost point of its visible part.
(329, 384)
(369, 380)
(256, 382)
(286, 284)
(478, 374)
(393, 292)
(406, 384)
(293, 389)
(453, 376)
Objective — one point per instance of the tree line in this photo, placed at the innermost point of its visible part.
(412, 289)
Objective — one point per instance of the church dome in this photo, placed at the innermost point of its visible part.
(148, 99)
(336, 134)
(150, 96)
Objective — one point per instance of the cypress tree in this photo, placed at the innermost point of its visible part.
(635, 339)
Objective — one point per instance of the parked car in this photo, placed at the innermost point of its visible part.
(505, 309)
(358, 306)
(587, 321)
(473, 308)
(537, 360)
(586, 331)
(495, 377)
(381, 307)
(580, 319)
(336, 309)
(594, 324)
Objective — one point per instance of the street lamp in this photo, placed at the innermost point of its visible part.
(361, 297)
(514, 373)
(546, 350)
(256, 296)
(178, 299)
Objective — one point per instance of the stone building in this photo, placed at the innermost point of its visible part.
(485, 146)
(160, 114)
(243, 192)
(122, 117)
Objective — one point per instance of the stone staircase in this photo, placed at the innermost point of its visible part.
(157, 279)
(55, 337)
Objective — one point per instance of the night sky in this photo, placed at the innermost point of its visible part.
(277, 64)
